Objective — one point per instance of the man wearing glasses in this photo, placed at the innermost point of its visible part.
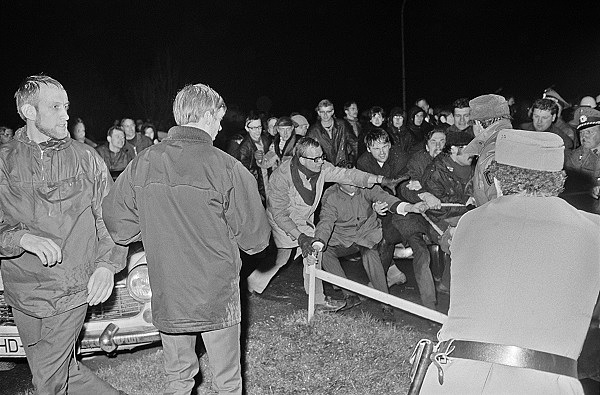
(333, 135)
(295, 190)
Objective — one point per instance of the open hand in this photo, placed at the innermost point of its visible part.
(100, 286)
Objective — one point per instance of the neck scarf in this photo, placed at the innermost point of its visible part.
(308, 195)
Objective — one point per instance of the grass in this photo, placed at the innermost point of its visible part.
(336, 354)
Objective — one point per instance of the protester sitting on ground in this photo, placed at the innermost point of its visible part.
(116, 157)
(461, 112)
(252, 151)
(525, 280)
(544, 113)
(348, 224)
(413, 190)
(489, 115)
(448, 177)
(300, 124)
(295, 190)
(583, 163)
(333, 135)
(78, 133)
(6, 134)
(398, 135)
(410, 229)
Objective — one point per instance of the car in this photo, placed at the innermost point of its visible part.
(122, 322)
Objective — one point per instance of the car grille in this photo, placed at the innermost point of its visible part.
(119, 305)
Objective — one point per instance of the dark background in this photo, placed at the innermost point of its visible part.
(121, 58)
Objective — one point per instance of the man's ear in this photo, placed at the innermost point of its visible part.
(108, 139)
(29, 111)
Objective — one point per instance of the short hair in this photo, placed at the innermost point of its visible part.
(545, 105)
(516, 180)
(112, 129)
(193, 101)
(437, 129)
(125, 119)
(462, 102)
(324, 103)
(253, 116)
(29, 89)
(77, 122)
(348, 104)
(376, 110)
(377, 135)
(304, 144)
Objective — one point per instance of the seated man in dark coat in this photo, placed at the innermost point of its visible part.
(410, 229)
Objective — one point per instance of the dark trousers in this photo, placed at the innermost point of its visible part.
(370, 260)
(409, 229)
(50, 348)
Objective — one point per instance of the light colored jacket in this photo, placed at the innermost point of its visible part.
(287, 210)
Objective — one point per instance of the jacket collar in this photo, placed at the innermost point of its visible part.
(189, 133)
(478, 143)
(52, 144)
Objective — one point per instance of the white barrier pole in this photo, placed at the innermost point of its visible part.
(372, 293)
(311, 289)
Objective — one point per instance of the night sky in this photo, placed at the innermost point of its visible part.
(108, 54)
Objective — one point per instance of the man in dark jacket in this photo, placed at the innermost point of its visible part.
(194, 207)
(409, 229)
(58, 257)
(113, 152)
(333, 135)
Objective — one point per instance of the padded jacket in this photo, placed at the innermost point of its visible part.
(53, 190)
(194, 207)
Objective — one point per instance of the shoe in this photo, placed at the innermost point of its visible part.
(352, 301)
(329, 305)
(395, 276)
(388, 314)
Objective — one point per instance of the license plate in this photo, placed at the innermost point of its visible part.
(11, 347)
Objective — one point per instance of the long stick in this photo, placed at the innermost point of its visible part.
(433, 225)
(453, 205)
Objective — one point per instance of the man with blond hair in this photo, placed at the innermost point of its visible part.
(194, 207)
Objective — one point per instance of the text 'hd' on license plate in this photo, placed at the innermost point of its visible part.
(11, 347)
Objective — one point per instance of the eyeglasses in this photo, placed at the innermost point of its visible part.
(316, 159)
(255, 127)
(326, 112)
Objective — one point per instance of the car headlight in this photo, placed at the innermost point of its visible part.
(138, 284)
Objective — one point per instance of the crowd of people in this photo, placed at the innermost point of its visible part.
(470, 190)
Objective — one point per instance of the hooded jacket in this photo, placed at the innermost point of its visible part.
(53, 190)
(418, 133)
